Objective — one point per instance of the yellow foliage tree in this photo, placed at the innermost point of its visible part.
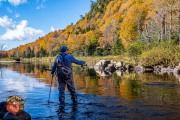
(132, 24)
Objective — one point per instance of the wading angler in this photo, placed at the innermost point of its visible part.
(63, 65)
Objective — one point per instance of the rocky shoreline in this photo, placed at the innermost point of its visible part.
(111, 66)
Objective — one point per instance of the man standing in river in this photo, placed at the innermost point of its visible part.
(65, 60)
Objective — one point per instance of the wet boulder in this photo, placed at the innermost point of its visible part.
(119, 64)
(101, 65)
(177, 69)
(148, 69)
(157, 68)
(96, 68)
(129, 67)
(139, 69)
(177, 76)
(103, 73)
(164, 70)
(101, 62)
(112, 62)
(170, 69)
(122, 68)
(110, 68)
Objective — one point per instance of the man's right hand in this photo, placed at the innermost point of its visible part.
(83, 65)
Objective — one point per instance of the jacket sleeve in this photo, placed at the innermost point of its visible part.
(79, 62)
(54, 66)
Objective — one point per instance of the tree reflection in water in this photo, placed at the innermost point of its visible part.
(149, 88)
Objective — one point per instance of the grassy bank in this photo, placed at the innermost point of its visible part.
(90, 60)
(165, 53)
(6, 59)
(42, 59)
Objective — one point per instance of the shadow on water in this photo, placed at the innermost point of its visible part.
(101, 95)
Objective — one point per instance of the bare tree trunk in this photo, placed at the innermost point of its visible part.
(146, 35)
(179, 19)
(163, 29)
(170, 31)
(140, 29)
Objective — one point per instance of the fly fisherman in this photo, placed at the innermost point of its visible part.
(63, 64)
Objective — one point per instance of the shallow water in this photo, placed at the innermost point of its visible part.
(100, 95)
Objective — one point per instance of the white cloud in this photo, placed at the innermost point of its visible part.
(19, 31)
(41, 4)
(17, 2)
(6, 22)
(13, 2)
(17, 15)
(52, 29)
(5, 46)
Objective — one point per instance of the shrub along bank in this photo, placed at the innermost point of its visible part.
(166, 54)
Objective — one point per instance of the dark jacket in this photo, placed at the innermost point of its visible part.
(68, 60)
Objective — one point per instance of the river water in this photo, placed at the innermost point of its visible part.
(101, 95)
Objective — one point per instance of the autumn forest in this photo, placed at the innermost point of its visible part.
(147, 31)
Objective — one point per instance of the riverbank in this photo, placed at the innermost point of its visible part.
(90, 60)
(6, 59)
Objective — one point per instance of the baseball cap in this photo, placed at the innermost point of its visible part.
(63, 48)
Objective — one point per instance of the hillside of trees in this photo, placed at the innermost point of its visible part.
(138, 28)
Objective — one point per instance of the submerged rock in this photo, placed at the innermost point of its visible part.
(176, 70)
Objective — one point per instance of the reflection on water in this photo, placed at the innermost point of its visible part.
(140, 93)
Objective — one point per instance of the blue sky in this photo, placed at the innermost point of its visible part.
(23, 21)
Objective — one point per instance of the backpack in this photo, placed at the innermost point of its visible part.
(63, 71)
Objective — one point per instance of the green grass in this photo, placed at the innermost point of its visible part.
(6, 59)
(90, 60)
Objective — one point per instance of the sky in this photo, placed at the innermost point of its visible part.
(23, 21)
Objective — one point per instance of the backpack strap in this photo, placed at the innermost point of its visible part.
(63, 56)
